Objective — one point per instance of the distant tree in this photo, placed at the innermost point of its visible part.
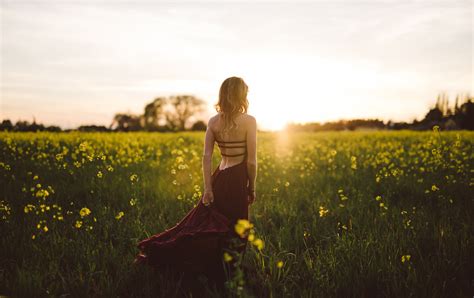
(154, 114)
(199, 126)
(90, 128)
(182, 108)
(365, 123)
(456, 105)
(467, 115)
(21, 125)
(126, 122)
(35, 126)
(6, 125)
(53, 128)
(433, 115)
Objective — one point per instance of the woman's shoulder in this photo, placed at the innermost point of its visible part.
(251, 118)
(246, 117)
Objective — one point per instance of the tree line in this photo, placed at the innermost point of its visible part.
(181, 112)
(443, 115)
(173, 113)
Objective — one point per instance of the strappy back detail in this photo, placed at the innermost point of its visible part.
(219, 143)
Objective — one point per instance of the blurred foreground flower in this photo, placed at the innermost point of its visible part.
(245, 229)
(242, 226)
(227, 257)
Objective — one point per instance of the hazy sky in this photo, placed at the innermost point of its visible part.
(79, 62)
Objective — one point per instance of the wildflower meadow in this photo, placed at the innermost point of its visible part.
(365, 213)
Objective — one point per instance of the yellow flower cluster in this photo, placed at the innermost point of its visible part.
(405, 258)
(29, 208)
(322, 211)
(342, 197)
(245, 229)
(242, 227)
(383, 206)
(353, 162)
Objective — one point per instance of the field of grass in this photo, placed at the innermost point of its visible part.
(340, 214)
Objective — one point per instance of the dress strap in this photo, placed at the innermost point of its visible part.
(245, 153)
(222, 146)
(231, 141)
(232, 146)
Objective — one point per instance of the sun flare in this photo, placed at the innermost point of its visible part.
(306, 91)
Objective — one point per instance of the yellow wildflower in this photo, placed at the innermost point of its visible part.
(134, 178)
(119, 215)
(322, 211)
(227, 257)
(406, 258)
(251, 237)
(84, 212)
(258, 243)
(242, 226)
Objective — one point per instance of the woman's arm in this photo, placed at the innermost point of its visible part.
(252, 153)
(207, 158)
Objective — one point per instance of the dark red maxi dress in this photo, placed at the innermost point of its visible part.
(197, 242)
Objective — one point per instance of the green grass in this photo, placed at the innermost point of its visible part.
(338, 209)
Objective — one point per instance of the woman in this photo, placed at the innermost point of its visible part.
(196, 244)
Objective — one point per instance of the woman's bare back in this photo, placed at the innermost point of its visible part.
(232, 153)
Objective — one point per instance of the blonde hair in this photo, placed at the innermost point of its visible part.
(232, 101)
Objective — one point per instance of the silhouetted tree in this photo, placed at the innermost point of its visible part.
(90, 128)
(22, 125)
(183, 107)
(6, 125)
(154, 114)
(53, 128)
(199, 126)
(433, 115)
(467, 115)
(126, 122)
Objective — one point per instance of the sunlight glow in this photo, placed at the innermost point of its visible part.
(284, 88)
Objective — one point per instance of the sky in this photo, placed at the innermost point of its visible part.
(72, 63)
